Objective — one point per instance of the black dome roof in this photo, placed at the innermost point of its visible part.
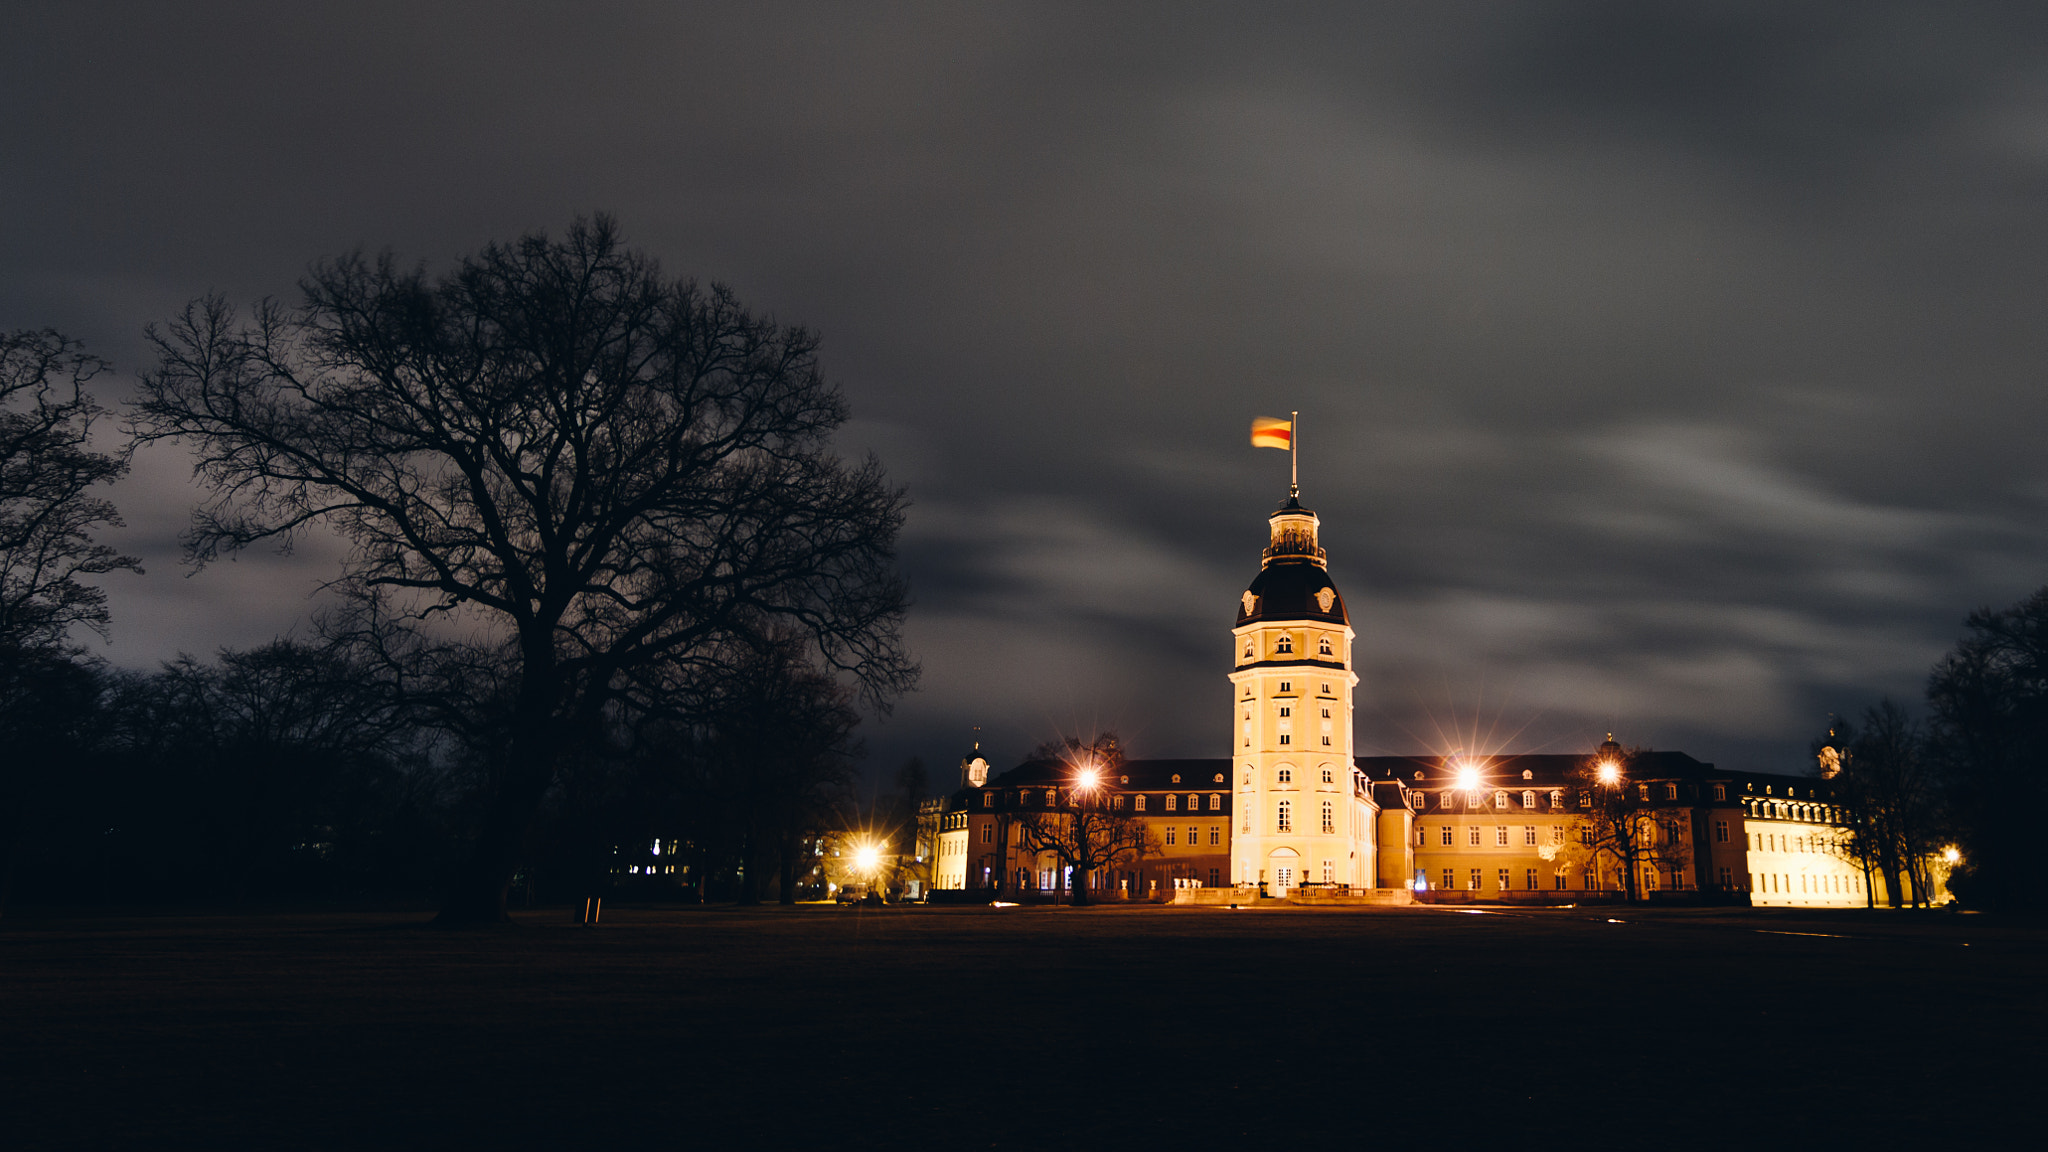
(1287, 591)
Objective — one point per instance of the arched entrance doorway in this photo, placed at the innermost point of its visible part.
(1284, 866)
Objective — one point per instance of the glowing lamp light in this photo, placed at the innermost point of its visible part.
(866, 858)
(1952, 856)
(1610, 772)
(1468, 776)
(1086, 779)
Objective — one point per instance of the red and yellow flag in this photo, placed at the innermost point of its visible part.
(1270, 433)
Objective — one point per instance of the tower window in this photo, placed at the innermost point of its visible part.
(1326, 713)
(1287, 685)
(1284, 822)
(1248, 653)
(1327, 778)
(1287, 710)
(1285, 776)
(1323, 647)
(1286, 739)
(1329, 817)
(1326, 741)
(1285, 644)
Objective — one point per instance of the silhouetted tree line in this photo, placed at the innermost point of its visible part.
(1972, 776)
(606, 581)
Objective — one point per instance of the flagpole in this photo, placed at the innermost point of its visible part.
(1294, 456)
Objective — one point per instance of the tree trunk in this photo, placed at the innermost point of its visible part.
(481, 883)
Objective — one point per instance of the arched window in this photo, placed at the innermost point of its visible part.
(1248, 653)
(1284, 819)
(1172, 802)
(1284, 644)
(1528, 799)
(1323, 647)
(1285, 776)
(1327, 777)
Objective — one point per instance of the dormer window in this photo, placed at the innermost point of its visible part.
(1323, 646)
(1528, 775)
(1528, 798)
(1284, 644)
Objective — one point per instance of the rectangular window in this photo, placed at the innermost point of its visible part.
(1447, 835)
(1194, 837)
(1529, 834)
(1478, 879)
(1215, 801)
(1557, 833)
(1720, 791)
(1500, 836)
(1326, 741)
(1286, 686)
(1169, 835)
(1326, 713)
(1724, 877)
(1214, 876)
(1450, 879)
(1286, 739)
(1529, 879)
(988, 833)
(1561, 881)
(1215, 834)
(1286, 710)
(1285, 820)
(1587, 880)
(1138, 803)
(1472, 835)
(1329, 818)
(1172, 801)
(1671, 791)
(1504, 882)
(1720, 831)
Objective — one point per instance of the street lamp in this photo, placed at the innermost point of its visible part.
(1609, 773)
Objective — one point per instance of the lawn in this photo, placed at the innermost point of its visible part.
(841, 1028)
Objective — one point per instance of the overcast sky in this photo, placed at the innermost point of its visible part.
(1671, 369)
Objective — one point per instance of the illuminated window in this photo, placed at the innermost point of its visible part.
(988, 799)
(1529, 879)
(1284, 818)
(1247, 649)
(1587, 880)
(1585, 799)
(1557, 833)
(1172, 802)
(1422, 837)
(1528, 799)
(1478, 879)
(1450, 879)
(1671, 791)
(1505, 883)
(1138, 803)
(1329, 817)
(1500, 835)
(1194, 803)
(1642, 791)
(1500, 799)
(1529, 834)
(1472, 835)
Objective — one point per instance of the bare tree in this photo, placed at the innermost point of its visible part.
(1624, 831)
(47, 469)
(1083, 823)
(615, 473)
(1885, 780)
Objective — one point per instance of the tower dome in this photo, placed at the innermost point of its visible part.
(1293, 582)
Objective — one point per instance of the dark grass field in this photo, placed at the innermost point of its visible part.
(831, 1028)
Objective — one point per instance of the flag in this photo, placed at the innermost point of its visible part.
(1270, 433)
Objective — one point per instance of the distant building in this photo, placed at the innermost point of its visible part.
(1293, 813)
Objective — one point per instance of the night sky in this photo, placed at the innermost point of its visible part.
(1669, 369)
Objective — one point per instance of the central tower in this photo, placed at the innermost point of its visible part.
(1299, 814)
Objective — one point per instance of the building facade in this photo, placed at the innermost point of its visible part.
(1294, 813)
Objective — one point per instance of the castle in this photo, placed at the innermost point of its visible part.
(1294, 814)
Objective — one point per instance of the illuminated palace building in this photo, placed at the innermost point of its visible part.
(1294, 814)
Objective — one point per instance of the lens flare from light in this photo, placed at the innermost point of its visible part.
(1610, 772)
(866, 857)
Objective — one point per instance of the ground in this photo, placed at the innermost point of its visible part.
(841, 1028)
